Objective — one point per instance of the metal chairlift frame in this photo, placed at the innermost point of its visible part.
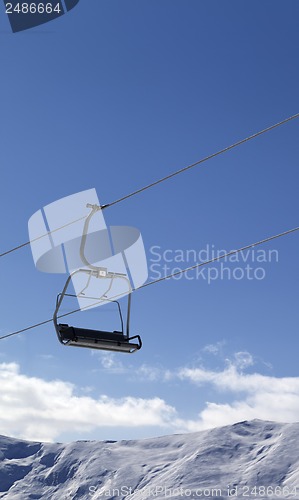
(118, 341)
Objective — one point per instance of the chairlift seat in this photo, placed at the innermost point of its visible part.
(96, 339)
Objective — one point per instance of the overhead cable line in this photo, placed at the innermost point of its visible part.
(36, 325)
(154, 282)
(41, 236)
(219, 257)
(159, 181)
(206, 158)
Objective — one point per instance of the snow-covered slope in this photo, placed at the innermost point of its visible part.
(249, 460)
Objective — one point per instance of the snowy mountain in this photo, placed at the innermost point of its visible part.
(254, 459)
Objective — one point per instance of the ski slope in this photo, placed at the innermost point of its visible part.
(248, 460)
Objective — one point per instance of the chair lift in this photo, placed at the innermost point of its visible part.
(117, 341)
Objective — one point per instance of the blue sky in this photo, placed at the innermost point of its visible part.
(114, 95)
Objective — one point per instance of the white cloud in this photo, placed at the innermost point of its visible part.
(243, 359)
(145, 372)
(36, 409)
(215, 349)
(151, 373)
(110, 363)
(33, 408)
(260, 396)
(230, 379)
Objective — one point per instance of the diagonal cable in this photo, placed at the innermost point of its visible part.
(163, 179)
(154, 282)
